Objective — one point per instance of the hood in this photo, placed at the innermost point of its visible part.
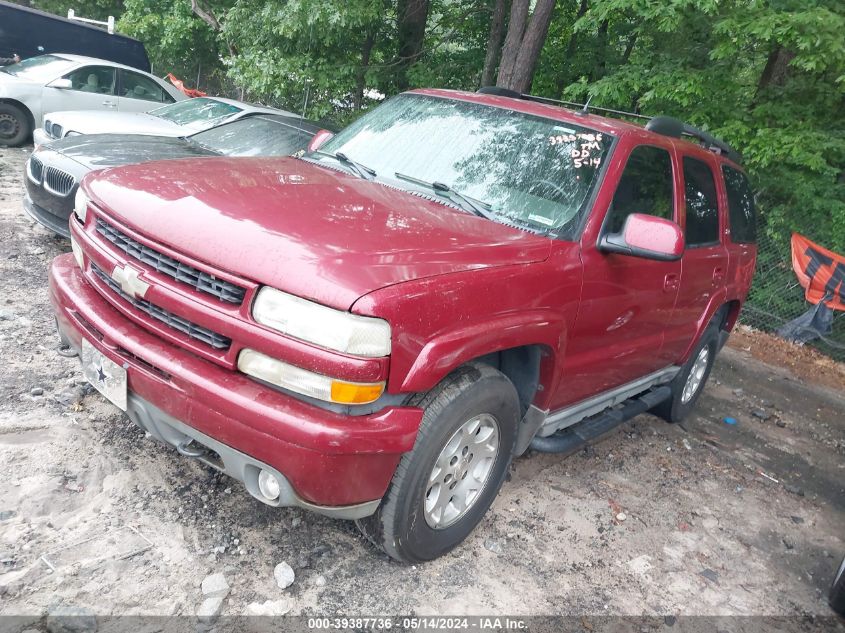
(303, 228)
(96, 151)
(96, 122)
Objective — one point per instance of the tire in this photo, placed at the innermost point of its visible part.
(409, 525)
(836, 598)
(14, 125)
(678, 405)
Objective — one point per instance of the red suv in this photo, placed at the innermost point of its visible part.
(375, 329)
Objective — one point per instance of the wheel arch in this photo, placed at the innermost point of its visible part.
(20, 104)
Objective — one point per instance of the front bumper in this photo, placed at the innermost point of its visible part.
(335, 464)
(46, 218)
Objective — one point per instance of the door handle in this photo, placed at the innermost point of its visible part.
(671, 282)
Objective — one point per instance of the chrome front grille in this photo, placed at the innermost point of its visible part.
(56, 131)
(34, 170)
(48, 128)
(180, 271)
(58, 182)
(198, 332)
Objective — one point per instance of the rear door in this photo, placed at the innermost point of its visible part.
(139, 93)
(704, 266)
(742, 230)
(92, 88)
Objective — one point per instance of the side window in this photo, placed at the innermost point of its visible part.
(136, 86)
(740, 207)
(702, 226)
(96, 79)
(645, 187)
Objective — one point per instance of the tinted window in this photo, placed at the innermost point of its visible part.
(136, 86)
(525, 170)
(740, 206)
(645, 187)
(702, 225)
(255, 136)
(95, 79)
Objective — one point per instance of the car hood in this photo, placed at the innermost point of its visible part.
(96, 122)
(303, 228)
(96, 151)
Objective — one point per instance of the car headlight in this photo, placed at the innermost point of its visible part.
(306, 382)
(80, 204)
(321, 325)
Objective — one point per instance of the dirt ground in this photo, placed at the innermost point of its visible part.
(703, 518)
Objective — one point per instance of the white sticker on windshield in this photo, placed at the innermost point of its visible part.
(541, 219)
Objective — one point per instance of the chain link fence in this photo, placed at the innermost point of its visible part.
(776, 297)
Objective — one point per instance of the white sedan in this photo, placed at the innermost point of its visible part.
(176, 119)
(59, 81)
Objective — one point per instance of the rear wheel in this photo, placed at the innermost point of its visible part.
(14, 125)
(689, 383)
(443, 487)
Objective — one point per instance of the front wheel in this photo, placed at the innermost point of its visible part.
(14, 125)
(443, 487)
(836, 598)
(689, 383)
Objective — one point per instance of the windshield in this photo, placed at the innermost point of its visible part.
(264, 135)
(41, 68)
(196, 110)
(526, 170)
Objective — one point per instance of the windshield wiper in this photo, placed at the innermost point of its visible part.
(472, 205)
(367, 173)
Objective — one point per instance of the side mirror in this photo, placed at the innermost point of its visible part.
(318, 140)
(61, 84)
(646, 236)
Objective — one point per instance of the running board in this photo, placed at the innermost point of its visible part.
(587, 430)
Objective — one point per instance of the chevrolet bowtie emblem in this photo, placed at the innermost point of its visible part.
(130, 282)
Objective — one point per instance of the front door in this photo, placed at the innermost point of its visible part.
(626, 301)
(91, 88)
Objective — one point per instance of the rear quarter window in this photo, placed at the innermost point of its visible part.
(741, 211)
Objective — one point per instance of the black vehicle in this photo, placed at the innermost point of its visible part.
(29, 32)
(54, 170)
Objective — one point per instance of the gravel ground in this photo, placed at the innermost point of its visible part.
(703, 518)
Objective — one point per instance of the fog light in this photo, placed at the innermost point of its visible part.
(269, 485)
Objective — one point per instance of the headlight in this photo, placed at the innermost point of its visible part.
(323, 326)
(80, 204)
(77, 253)
(307, 382)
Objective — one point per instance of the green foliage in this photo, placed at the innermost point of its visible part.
(91, 9)
(177, 41)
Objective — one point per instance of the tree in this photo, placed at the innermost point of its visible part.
(411, 19)
(494, 42)
(523, 42)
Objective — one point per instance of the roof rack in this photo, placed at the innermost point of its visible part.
(665, 125)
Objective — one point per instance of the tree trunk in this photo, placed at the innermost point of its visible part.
(600, 66)
(412, 16)
(533, 38)
(361, 73)
(494, 42)
(513, 40)
(776, 69)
